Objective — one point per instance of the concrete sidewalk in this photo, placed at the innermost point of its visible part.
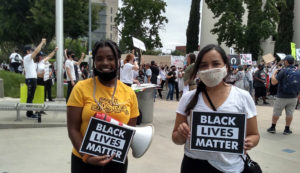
(48, 150)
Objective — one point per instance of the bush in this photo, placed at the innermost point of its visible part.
(12, 83)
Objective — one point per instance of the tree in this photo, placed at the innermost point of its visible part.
(285, 28)
(192, 32)
(229, 27)
(143, 20)
(27, 21)
(261, 23)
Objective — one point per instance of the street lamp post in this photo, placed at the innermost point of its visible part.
(60, 44)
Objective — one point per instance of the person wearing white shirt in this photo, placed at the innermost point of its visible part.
(70, 70)
(130, 65)
(212, 67)
(44, 72)
(30, 73)
(15, 60)
(163, 76)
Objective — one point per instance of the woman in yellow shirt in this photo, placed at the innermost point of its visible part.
(101, 93)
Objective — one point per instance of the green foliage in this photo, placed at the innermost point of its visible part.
(192, 32)
(177, 53)
(77, 46)
(27, 21)
(11, 83)
(152, 52)
(261, 23)
(229, 27)
(285, 28)
(143, 20)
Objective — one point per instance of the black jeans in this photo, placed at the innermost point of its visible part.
(190, 165)
(31, 86)
(48, 85)
(176, 90)
(70, 87)
(78, 166)
(161, 88)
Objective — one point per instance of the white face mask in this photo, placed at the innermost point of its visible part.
(212, 77)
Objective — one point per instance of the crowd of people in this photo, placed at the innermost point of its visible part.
(207, 83)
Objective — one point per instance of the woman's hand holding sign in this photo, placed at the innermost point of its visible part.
(99, 160)
(184, 130)
(181, 131)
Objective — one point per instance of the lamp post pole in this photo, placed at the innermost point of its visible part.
(60, 44)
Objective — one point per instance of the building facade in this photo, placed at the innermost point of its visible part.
(106, 26)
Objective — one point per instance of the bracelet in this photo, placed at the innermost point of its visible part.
(85, 157)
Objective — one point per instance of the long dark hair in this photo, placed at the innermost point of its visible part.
(201, 86)
(107, 43)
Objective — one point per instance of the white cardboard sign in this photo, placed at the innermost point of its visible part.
(138, 44)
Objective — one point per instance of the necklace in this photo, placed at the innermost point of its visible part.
(94, 93)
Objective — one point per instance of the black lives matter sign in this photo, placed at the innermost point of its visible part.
(218, 132)
(103, 138)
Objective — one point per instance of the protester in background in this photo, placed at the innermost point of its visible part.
(141, 77)
(212, 67)
(176, 84)
(97, 94)
(48, 74)
(30, 73)
(129, 66)
(155, 73)
(162, 74)
(231, 78)
(240, 78)
(188, 83)
(249, 78)
(171, 76)
(260, 84)
(147, 73)
(180, 81)
(286, 96)
(70, 70)
(15, 60)
(85, 72)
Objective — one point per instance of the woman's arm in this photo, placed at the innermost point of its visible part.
(73, 125)
(51, 54)
(252, 134)
(181, 131)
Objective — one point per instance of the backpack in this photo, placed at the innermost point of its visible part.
(291, 84)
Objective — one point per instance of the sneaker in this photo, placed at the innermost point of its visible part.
(43, 112)
(266, 103)
(271, 130)
(33, 116)
(287, 132)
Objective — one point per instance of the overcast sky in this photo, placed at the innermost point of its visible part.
(177, 12)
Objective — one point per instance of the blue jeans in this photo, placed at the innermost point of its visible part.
(171, 90)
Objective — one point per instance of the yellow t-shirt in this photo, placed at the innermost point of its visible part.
(124, 108)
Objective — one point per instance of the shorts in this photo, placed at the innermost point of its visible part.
(289, 104)
(260, 91)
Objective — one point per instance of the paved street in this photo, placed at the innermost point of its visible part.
(48, 150)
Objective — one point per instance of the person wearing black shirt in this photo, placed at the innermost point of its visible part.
(260, 84)
(171, 82)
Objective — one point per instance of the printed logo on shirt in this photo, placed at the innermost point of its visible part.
(110, 106)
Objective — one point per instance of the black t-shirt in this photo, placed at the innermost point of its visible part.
(155, 73)
(172, 79)
(260, 74)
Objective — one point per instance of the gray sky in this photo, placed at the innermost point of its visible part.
(177, 12)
